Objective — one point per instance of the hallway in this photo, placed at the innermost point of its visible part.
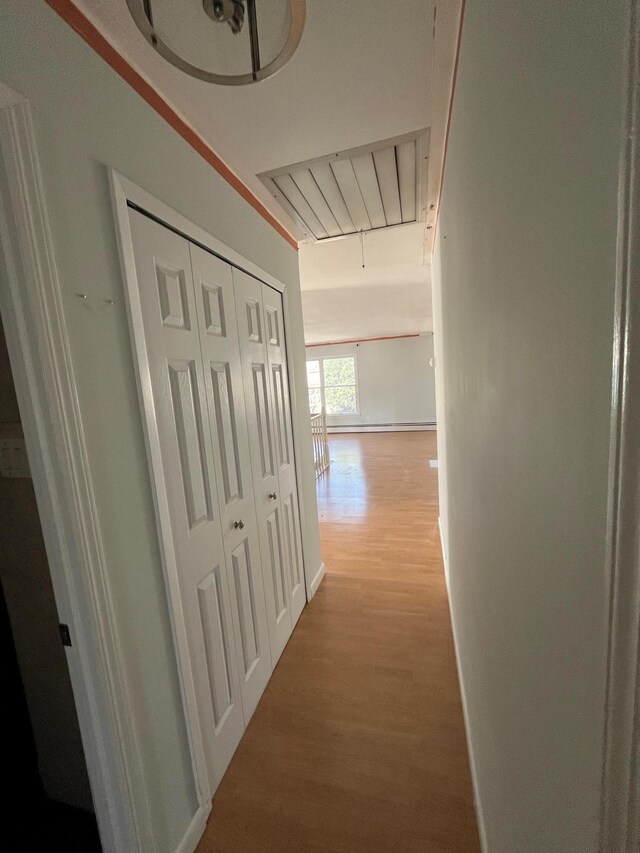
(358, 743)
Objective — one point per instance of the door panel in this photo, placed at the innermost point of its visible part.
(242, 576)
(225, 421)
(213, 305)
(279, 382)
(216, 321)
(263, 419)
(193, 538)
(291, 525)
(218, 641)
(262, 445)
(188, 425)
(277, 564)
(279, 404)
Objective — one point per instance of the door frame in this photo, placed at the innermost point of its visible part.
(126, 195)
(620, 802)
(31, 305)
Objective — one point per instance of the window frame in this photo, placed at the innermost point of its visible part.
(321, 359)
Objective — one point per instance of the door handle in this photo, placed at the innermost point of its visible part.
(238, 524)
(273, 496)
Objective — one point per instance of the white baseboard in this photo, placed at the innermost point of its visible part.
(418, 427)
(474, 777)
(445, 560)
(315, 583)
(196, 829)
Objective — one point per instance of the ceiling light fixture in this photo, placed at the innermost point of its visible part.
(228, 42)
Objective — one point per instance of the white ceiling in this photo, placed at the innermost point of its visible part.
(391, 295)
(365, 71)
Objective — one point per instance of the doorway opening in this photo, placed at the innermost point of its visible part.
(50, 802)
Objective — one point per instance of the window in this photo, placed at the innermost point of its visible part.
(332, 384)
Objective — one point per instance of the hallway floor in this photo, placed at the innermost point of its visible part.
(358, 743)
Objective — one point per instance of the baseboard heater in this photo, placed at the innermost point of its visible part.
(391, 427)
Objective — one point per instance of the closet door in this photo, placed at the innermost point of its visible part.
(190, 526)
(279, 380)
(223, 383)
(262, 442)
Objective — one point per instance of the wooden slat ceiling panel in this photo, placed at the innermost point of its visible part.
(307, 185)
(356, 190)
(298, 202)
(348, 184)
(326, 181)
(406, 158)
(365, 171)
(387, 174)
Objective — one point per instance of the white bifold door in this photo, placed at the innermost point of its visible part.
(260, 327)
(210, 346)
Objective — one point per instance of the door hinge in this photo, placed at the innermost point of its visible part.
(65, 634)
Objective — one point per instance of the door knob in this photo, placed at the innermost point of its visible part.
(238, 524)
(273, 496)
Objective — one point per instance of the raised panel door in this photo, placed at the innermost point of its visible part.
(263, 446)
(216, 321)
(285, 463)
(196, 564)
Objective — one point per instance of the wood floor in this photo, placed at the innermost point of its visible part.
(358, 744)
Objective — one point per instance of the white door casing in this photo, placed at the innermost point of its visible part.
(218, 333)
(197, 578)
(31, 302)
(620, 802)
(280, 395)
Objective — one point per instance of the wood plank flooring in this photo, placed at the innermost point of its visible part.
(358, 744)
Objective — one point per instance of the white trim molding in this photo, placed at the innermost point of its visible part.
(125, 192)
(31, 307)
(195, 831)
(315, 583)
(620, 813)
(445, 559)
(482, 830)
(417, 427)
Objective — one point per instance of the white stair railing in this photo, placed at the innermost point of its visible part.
(320, 442)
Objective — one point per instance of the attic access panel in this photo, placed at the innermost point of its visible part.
(373, 186)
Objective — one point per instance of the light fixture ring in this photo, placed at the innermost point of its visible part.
(141, 13)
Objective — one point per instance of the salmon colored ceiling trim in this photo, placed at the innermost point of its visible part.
(69, 12)
(364, 340)
(446, 135)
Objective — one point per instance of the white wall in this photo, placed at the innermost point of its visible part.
(524, 271)
(395, 381)
(438, 353)
(87, 118)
